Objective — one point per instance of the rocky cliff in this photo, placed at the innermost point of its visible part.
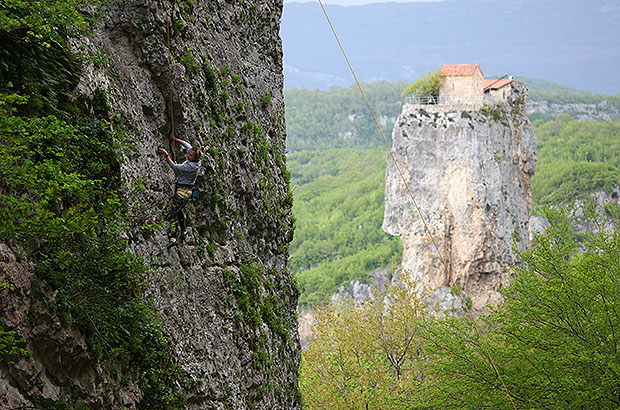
(469, 172)
(579, 111)
(225, 301)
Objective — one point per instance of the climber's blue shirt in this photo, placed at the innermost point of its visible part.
(187, 172)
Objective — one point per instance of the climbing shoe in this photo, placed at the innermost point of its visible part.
(171, 244)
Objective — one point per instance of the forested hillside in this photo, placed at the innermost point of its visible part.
(339, 192)
(575, 158)
(339, 210)
(562, 94)
(339, 118)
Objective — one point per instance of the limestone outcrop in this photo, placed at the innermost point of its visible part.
(469, 171)
(227, 97)
(579, 111)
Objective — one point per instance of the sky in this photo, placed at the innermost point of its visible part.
(570, 42)
(356, 2)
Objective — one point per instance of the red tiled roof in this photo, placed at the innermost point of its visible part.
(496, 84)
(459, 70)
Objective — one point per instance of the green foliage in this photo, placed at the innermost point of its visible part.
(338, 118)
(55, 173)
(575, 159)
(10, 345)
(60, 184)
(44, 20)
(366, 355)
(35, 59)
(188, 60)
(256, 299)
(426, 85)
(554, 340)
(256, 294)
(266, 99)
(339, 207)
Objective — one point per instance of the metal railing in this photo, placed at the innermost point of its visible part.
(428, 99)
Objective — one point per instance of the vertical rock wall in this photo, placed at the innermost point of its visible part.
(469, 172)
(226, 298)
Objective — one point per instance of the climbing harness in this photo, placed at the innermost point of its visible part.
(187, 192)
(488, 354)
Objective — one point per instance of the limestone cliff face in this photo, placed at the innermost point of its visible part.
(227, 97)
(469, 172)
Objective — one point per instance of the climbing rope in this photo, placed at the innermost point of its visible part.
(419, 212)
(174, 151)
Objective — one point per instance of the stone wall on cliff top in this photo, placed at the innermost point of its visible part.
(469, 171)
(227, 97)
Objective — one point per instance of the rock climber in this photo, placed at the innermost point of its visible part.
(186, 174)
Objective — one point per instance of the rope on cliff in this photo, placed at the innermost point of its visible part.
(473, 321)
(174, 151)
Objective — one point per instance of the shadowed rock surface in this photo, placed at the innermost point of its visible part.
(227, 97)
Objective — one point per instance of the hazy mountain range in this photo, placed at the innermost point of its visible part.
(571, 42)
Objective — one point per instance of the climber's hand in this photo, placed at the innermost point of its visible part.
(162, 151)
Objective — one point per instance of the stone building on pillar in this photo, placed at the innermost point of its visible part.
(463, 83)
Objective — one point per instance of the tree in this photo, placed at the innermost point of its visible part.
(366, 355)
(426, 85)
(555, 340)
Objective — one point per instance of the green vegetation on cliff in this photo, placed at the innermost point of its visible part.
(363, 355)
(61, 200)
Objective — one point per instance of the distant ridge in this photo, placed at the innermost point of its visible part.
(536, 84)
(565, 41)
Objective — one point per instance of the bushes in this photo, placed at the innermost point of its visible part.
(554, 340)
(426, 85)
(367, 355)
